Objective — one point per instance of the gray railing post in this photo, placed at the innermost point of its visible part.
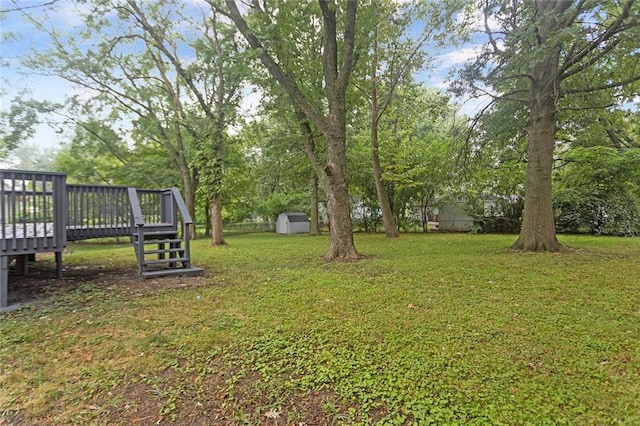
(186, 221)
(60, 219)
(137, 226)
(167, 209)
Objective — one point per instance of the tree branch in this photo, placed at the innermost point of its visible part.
(612, 85)
(23, 8)
(487, 29)
(403, 68)
(598, 41)
(287, 83)
(348, 57)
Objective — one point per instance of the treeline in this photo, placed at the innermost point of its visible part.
(323, 107)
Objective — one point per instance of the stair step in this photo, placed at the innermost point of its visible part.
(191, 272)
(172, 250)
(167, 241)
(157, 225)
(167, 260)
(154, 235)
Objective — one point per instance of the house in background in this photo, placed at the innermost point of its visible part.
(452, 216)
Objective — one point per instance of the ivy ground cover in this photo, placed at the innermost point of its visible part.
(428, 329)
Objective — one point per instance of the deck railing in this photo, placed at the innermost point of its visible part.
(40, 212)
(97, 211)
(32, 212)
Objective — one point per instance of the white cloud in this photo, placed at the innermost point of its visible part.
(457, 57)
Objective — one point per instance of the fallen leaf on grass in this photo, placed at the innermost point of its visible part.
(272, 414)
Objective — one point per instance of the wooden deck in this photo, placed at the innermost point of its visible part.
(40, 212)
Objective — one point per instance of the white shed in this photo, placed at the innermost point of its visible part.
(292, 223)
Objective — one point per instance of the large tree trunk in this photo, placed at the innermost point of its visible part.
(217, 236)
(342, 246)
(334, 129)
(538, 226)
(538, 231)
(333, 126)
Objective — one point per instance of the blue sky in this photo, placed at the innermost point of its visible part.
(64, 17)
(18, 38)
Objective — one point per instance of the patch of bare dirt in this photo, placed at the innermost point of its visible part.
(40, 284)
(211, 400)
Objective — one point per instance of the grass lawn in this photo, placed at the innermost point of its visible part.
(430, 329)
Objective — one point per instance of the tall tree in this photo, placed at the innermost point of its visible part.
(394, 54)
(140, 65)
(338, 56)
(118, 70)
(554, 57)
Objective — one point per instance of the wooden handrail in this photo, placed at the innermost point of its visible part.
(136, 210)
(186, 217)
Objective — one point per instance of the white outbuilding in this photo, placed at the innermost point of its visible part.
(292, 223)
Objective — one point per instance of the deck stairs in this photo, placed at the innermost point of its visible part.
(161, 245)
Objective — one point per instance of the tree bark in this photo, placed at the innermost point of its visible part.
(190, 202)
(538, 231)
(538, 225)
(342, 245)
(217, 236)
(314, 228)
(388, 220)
(207, 219)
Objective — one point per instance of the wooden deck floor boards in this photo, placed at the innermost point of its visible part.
(28, 230)
(46, 229)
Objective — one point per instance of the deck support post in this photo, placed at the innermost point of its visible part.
(22, 265)
(59, 265)
(4, 286)
(4, 281)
